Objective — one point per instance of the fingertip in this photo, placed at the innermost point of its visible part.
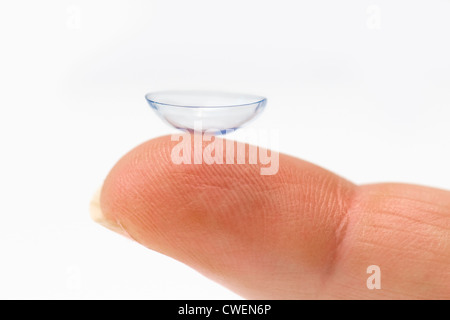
(97, 215)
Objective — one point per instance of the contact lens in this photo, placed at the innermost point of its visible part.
(212, 112)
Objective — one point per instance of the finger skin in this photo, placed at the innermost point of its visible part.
(303, 233)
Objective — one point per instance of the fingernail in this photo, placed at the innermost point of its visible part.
(98, 216)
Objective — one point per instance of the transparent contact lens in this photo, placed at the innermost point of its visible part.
(200, 111)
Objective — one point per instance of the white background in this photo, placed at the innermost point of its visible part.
(359, 87)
